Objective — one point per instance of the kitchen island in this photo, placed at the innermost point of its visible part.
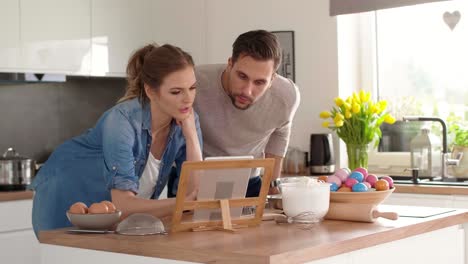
(17, 240)
(436, 239)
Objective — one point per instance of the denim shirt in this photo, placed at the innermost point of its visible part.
(112, 155)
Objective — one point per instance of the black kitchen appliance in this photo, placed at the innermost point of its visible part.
(322, 157)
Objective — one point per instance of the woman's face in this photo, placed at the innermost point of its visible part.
(176, 94)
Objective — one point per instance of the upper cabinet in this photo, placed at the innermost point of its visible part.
(118, 28)
(94, 37)
(10, 52)
(55, 36)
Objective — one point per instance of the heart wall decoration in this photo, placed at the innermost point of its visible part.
(452, 19)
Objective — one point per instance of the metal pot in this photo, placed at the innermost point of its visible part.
(16, 171)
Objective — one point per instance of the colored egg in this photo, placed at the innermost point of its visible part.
(359, 187)
(357, 175)
(342, 174)
(350, 182)
(334, 179)
(389, 179)
(333, 187)
(344, 189)
(381, 185)
(371, 178)
(363, 171)
(367, 184)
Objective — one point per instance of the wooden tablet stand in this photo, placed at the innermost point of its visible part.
(226, 224)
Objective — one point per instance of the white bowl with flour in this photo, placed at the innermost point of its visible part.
(305, 200)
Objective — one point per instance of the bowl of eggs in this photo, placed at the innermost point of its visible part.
(358, 186)
(355, 195)
(100, 216)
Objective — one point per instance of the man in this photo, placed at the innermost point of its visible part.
(245, 108)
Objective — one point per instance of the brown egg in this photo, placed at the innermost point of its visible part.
(110, 206)
(98, 208)
(78, 208)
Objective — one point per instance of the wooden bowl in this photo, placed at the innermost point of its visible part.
(373, 197)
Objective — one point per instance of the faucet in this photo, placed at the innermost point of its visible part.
(446, 161)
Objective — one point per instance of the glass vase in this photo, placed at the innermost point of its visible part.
(358, 155)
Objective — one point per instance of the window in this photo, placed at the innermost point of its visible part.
(422, 63)
(419, 64)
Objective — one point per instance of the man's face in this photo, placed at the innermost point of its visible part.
(248, 79)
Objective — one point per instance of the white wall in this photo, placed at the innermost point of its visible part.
(315, 49)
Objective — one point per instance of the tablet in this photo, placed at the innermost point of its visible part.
(222, 184)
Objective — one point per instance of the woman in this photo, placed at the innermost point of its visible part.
(128, 155)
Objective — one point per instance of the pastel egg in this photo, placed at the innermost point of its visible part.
(389, 179)
(347, 170)
(359, 187)
(371, 178)
(342, 174)
(357, 175)
(333, 187)
(367, 184)
(334, 179)
(363, 171)
(350, 182)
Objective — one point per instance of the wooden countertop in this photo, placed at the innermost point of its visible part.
(268, 243)
(431, 189)
(16, 195)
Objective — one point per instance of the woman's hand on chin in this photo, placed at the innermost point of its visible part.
(188, 125)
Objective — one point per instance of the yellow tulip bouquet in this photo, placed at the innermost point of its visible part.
(357, 121)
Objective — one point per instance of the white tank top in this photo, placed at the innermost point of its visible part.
(149, 177)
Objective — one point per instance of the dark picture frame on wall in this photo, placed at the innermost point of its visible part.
(287, 66)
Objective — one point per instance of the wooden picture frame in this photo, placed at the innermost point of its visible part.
(226, 224)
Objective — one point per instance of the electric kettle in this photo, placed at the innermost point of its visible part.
(322, 157)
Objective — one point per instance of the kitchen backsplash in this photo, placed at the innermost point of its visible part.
(37, 117)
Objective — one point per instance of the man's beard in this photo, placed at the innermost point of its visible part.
(233, 100)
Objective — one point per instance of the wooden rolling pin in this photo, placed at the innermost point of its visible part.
(357, 212)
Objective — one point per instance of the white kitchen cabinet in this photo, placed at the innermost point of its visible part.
(10, 52)
(55, 36)
(18, 243)
(181, 23)
(118, 27)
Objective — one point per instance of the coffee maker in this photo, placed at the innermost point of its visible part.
(322, 157)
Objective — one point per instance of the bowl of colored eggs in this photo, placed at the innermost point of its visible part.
(358, 186)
